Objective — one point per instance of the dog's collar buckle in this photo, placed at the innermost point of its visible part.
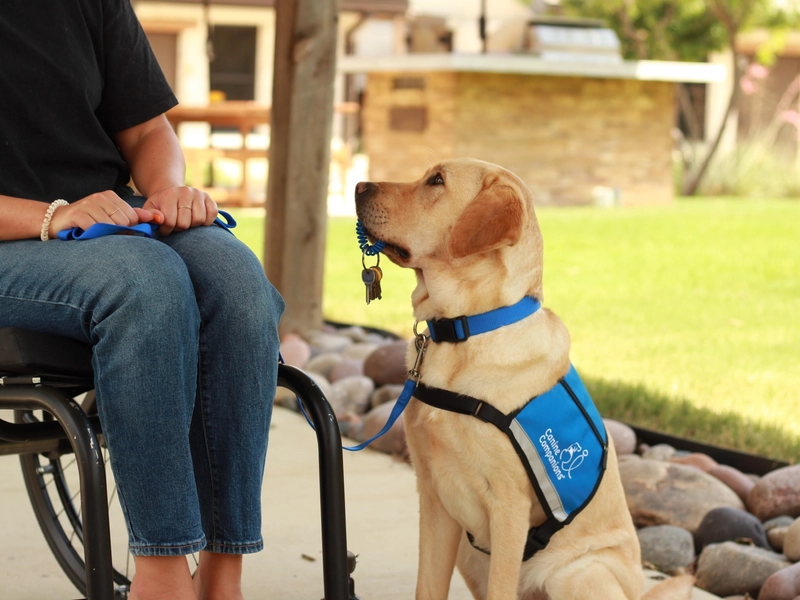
(462, 328)
(449, 330)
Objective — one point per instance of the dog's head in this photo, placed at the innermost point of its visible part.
(467, 228)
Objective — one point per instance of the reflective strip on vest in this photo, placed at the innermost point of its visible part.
(562, 439)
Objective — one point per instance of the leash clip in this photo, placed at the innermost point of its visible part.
(421, 342)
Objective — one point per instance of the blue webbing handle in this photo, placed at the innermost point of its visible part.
(103, 229)
(142, 229)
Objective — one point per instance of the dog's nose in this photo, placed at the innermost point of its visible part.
(364, 189)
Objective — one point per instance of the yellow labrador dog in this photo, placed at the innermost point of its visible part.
(469, 231)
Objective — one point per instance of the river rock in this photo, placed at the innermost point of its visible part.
(663, 493)
(659, 452)
(729, 568)
(394, 440)
(347, 367)
(791, 541)
(783, 585)
(359, 350)
(352, 427)
(727, 524)
(696, 459)
(387, 364)
(354, 332)
(782, 521)
(624, 436)
(385, 393)
(776, 537)
(295, 350)
(351, 395)
(323, 363)
(776, 493)
(666, 547)
(776, 529)
(734, 479)
(324, 341)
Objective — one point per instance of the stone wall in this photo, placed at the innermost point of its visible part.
(564, 136)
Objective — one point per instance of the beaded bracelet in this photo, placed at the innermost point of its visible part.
(48, 216)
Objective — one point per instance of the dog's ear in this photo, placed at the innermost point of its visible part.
(492, 220)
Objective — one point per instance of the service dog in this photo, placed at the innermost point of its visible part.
(469, 231)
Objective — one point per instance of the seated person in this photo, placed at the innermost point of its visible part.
(183, 325)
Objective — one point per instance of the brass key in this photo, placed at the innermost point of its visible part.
(375, 288)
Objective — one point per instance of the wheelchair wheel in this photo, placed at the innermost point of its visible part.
(54, 489)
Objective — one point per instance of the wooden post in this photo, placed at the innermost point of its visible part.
(297, 192)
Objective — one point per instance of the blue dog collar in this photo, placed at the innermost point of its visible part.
(461, 328)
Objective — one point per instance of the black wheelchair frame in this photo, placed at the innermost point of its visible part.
(42, 372)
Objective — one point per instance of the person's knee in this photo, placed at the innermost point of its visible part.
(149, 286)
(230, 283)
(251, 301)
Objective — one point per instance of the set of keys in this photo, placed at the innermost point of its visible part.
(371, 276)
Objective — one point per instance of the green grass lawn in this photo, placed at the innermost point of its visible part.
(683, 318)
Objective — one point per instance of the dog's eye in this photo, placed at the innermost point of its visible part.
(436, 179)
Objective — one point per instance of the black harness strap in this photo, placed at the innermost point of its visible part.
(464, 405)
(538, 537)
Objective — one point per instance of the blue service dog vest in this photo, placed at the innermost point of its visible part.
(561, 440)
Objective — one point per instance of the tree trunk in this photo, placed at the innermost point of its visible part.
(694, 178)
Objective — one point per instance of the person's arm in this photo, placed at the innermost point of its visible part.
(158, 169)
(22, 218)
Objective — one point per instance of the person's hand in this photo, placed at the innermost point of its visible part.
(102, 207)
(183, 208)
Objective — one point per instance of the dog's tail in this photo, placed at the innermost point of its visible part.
(676, 588)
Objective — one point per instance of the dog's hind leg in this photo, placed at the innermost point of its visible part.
(439, 534)
(591, 579)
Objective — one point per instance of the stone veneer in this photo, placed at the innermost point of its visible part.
(562, 135)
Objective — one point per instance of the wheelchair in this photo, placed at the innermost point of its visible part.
(48, 382)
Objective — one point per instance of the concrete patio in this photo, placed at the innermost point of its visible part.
(381, 528)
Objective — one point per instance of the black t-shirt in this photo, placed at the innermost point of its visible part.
(72, 72)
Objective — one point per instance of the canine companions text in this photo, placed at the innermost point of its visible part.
(469, 232)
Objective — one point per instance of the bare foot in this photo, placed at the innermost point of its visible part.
(218, 577)
(162, 578)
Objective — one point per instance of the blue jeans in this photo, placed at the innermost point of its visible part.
(184, 331)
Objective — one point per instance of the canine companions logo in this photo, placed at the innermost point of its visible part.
(570, 458)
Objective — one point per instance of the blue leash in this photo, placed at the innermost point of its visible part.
(405, 396)
(142, 229)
